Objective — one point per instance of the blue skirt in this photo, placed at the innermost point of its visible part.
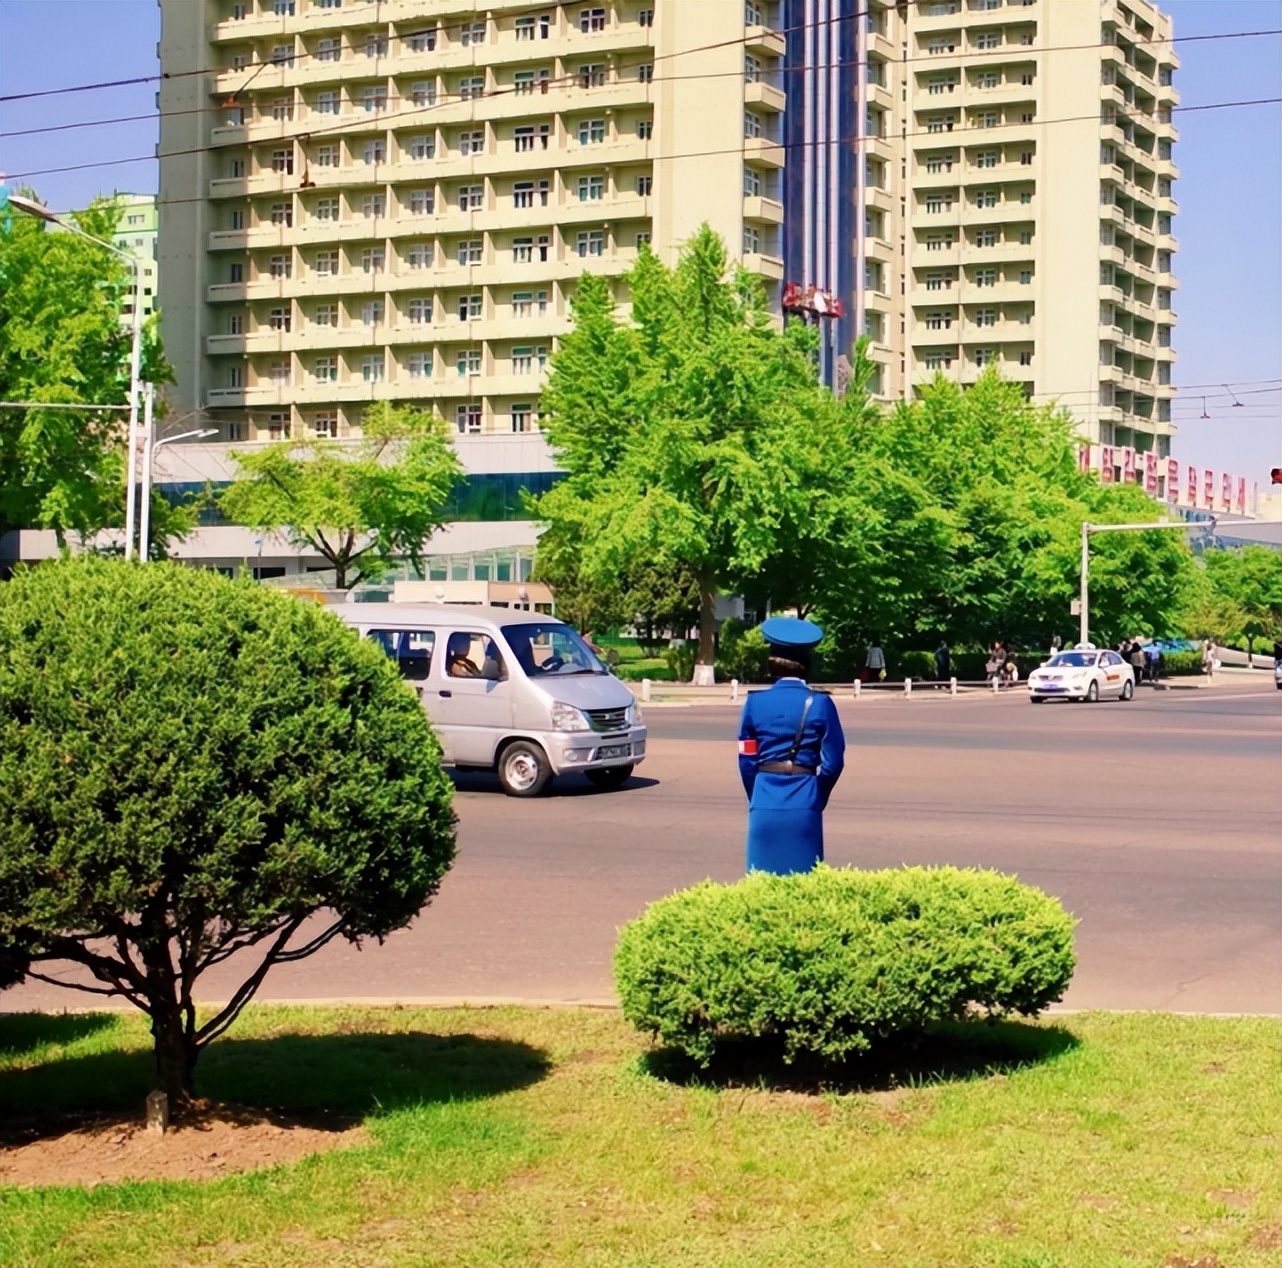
(785, 824)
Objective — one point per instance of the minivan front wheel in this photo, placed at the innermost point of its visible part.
(523, 769)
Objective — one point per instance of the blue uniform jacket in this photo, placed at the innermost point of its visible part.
(770, 719)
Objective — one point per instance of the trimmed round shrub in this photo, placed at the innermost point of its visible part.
(832, 960)
(192, 767)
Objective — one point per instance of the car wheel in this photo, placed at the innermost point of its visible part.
(609, 776)
(523, 769)
(1128, 690)
(1092, 693)
(1038, 699)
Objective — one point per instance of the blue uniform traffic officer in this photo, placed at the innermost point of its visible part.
(791, 754)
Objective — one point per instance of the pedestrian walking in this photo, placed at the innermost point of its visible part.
(943, 661)
(1056, 644)
(1210, 663)
(996, 662)
(1138, 660)
(874, 662)
(791, 754)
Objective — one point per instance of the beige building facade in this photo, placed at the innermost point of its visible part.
(375, 199)
(1018, 204)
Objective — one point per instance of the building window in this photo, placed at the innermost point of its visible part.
(277, 429)
(986, 238)
(989, 79)
(939, 163)
(527, 303)
(372, 260)
(235, 376)
(940, 123)
(471, 197)
(523, 194)
(282, 55)
(1026, 357)
(985, 316)
(523, 81)
(522, 416)
(373, 206)
(524, 27)
(235, 323)
(986, 158)
(939, 321)
(419, 311)
(283, 109)
(471, 87)
(591, 131)
(374, 151)
(283, 8)
(939, 241)
(941, 84)
(1025, 237)
(591, 188)
(324, 424)
(937, 204)
(523, 139)
(988, 40)
(522, 250)
(645, 129)
(419, 365)
(235, 272)
(468, 362)
(374, 99)
(280, 267)
(591, 20)
(469, 307)
(529, 360)
(236, 218)
(751, 183)
(645, 17)
(986, 198)
(591, 242)
(325, 315)
(423, 92)
(645, 186)
(372, 368)
(939, 282)
(592, 75)
(939, 361)
(752, 125)
(471, 142)
(1026, 158)
(422, 202)
(987, 119)
(278, 371)
(328, 155)
(985, 277)
(325, 369)
(422, 147)
(1026, 277)
(372, 312)
(985, 356)
(329, 50)
(419, 256)
(470, 251)
(645, 73)
(472, 33)
(941, 44)
(376, 45)
(283, 214)
(327, 103)
(1025, 196)
(467, 419)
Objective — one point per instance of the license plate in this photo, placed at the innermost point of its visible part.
(614, 750)
(1048, 687)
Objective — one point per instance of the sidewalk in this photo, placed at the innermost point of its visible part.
(676, 695)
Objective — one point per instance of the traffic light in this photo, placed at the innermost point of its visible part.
(1276, 475)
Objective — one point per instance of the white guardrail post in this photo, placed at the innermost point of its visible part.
(996, 684)
(858, 687)
(908, 686)
(734, 689)
(645, 689)
(952, 686)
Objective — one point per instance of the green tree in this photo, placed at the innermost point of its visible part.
(360, 504)
(687, 434)
(1245, 586)
(193, 769)
(62, 340)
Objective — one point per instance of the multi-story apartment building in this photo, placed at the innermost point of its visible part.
(394, 198)
(1016, 193)
(136, 234)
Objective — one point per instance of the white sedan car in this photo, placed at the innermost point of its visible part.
(1082, 674)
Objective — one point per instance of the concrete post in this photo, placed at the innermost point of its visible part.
(858, 688)
(645, 689)
(996, 683)
(952, 686)
(734, 689)
(908, 686)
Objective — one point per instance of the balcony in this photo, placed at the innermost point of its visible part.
(770, 266)
(758, 149)
(765, 96)
(763, 209)
(764, 39)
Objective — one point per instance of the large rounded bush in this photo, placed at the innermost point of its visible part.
(191, 766)
(832, 960)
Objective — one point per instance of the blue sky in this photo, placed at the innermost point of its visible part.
(1229, 192)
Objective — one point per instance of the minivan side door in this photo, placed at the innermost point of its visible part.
(469, 696)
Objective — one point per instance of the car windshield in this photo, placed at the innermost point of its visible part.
(546, 648)
(1074, 660)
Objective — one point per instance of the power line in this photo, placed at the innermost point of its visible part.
(357, 129)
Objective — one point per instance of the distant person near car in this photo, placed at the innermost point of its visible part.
(996, 662)
(943, 661)
(1137, 660)
(874, 663)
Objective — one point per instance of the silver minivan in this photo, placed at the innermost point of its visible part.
(516, 692)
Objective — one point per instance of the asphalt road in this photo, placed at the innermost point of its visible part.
(1158, 823)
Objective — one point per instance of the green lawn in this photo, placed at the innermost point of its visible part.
(531, 1137)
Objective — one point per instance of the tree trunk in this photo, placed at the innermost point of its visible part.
(707, 620)
(176, 1054)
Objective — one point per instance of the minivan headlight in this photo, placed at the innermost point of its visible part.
(634, 714)
(565, 717)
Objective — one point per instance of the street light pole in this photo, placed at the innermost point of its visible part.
(1089, 528)
(41, 212)
(148, 453)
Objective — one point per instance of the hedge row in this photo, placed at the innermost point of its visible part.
(832, 960)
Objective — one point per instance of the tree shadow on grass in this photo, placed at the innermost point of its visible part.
(320, 1081)
(949, 1052)
(22, 1033)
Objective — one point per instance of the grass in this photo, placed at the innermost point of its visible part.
(524, 1137)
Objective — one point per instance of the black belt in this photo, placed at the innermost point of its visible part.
(785, 768)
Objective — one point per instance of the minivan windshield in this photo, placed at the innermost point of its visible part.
(546, 648)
